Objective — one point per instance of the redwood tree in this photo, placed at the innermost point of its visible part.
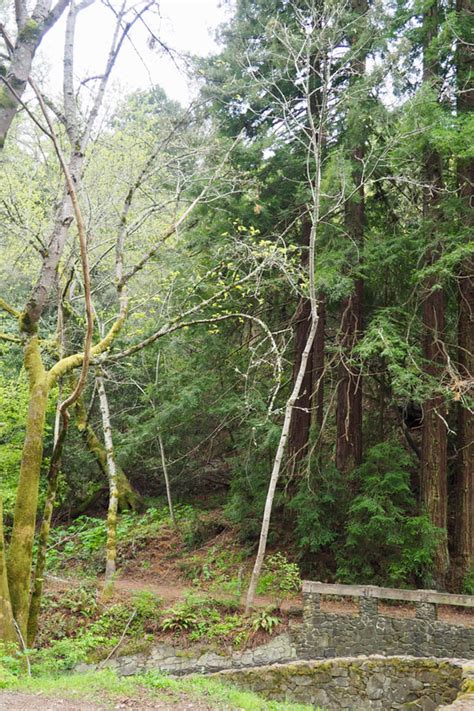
(463, 543)
(349, 389)
(433, 483)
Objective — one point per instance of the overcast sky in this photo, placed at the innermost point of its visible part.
(185, 25)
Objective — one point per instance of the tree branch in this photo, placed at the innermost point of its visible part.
(9, 309)
(8, 337)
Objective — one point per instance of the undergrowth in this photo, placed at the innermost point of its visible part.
(82, 543)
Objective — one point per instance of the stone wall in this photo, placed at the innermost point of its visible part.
(356, 684)
(325, 634)
(465, 699)
(195, 660)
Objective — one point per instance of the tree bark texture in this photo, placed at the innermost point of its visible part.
(31, 31)
(277, 466)
(38, 578)
(349, 389)
(20, 551)
(434, 443)
(128, 497)
(111, 546)
(463, 548)
(7, 629)
(463, 543)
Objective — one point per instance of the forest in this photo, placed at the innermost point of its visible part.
(246, 319)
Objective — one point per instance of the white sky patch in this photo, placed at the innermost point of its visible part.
(187, 26)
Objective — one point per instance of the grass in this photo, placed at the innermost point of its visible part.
(106, 683)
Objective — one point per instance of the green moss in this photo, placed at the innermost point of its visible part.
(31, 30)
(136, 646)
(6, 100)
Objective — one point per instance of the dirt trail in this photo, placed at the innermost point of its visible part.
(37, 702)
(174, 590)
(161, 567)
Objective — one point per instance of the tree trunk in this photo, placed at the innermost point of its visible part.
(167, 481)
(7, 629)
(319, 349)
(349, 388)
(111, 548)
(463, 543)
(433, 482)
(277, 466)
(31, 31)
(20, 551)
(128, 497)
(298, 436)
(37, 592)
(433, 479)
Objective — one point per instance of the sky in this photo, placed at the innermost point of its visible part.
(184, 25)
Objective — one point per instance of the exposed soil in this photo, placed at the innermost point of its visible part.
(38, 702)
(163, 567)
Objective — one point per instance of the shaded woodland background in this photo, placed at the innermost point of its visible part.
(377, 483)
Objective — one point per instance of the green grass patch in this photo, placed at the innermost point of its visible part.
(106, 685)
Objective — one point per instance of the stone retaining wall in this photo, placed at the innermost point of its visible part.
(195, 660)
(356, 684)
(330, 635)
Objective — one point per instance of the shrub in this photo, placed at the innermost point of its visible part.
(387, 541)
(265, 621)
(280, 578)
(179, 618)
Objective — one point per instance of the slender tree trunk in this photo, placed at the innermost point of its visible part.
(167, 481)
(319, 349)
(463, 543)
(298, 438)
(128, 497)
(434, 445)
(277, 466)
(31, 30)
(20, 553)
(111, 548)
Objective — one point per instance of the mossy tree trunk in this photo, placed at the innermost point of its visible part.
(7, 629)
(128, 497)
(20, 553)
(38, 578)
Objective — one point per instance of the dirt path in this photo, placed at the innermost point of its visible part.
(38, 702)
(173, 590)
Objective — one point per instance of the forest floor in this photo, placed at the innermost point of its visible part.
(159, 569)
(162, 575)
(163, 567)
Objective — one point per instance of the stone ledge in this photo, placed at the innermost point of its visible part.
(359, 683)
